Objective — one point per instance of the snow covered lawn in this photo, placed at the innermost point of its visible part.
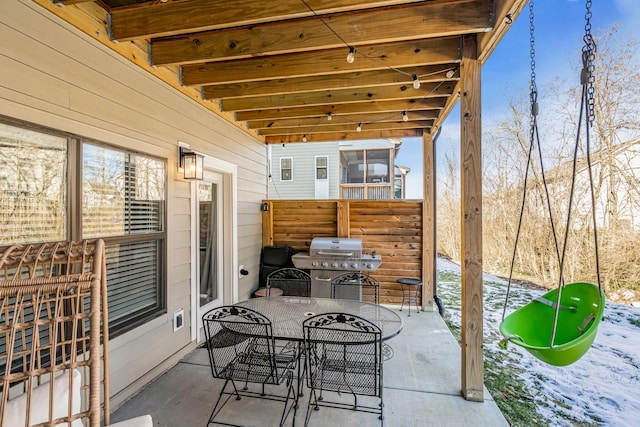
(602, 388)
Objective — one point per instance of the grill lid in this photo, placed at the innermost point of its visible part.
(335, 247)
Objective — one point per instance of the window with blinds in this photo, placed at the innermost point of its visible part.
(122, 201)
(133, 275)
(122, 193)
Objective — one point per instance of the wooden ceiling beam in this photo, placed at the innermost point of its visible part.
(331, 61)
(339, 109)
(63, 3)
(431, 73)
(503, 8)
(348, 127)
(344, 136)
(158, 19)
(322, 121)
(427, 90)
(375, 26)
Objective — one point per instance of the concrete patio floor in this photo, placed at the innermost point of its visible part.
(421, 387)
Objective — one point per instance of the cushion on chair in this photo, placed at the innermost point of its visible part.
(16, 410)
(143, 421)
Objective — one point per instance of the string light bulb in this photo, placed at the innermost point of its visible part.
(451, 73)
(416, 81)
(304, 138)
(359, 128)
(329, 117)
(351, 56)
(405, 117)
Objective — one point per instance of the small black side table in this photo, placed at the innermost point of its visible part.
(409, 284)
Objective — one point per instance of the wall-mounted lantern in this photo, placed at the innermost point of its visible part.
(192, 164)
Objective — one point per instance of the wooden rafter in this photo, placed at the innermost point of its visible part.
(326, 62)
(373, 26)
(156, 19)
(344, 96)
(376, 78)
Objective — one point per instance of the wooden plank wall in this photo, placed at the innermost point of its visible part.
(393, 228)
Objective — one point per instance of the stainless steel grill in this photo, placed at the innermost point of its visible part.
(329, 257)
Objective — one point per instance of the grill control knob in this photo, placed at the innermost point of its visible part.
(334, 264)
(325, 264)
(344, 265)
(314, 264)
(354, 265)
(369, 266)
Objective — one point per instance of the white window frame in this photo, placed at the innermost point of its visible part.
(290, 168)
(326, 167)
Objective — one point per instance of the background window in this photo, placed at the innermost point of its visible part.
(286, 169)
(321, 168)
(378, 166)
(353, 163)
(370, 166)
(397, 188)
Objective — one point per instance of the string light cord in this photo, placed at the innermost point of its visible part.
(353, 50)
(449, 73)
(360, 124)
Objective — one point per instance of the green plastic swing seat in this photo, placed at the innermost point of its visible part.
(531, 326)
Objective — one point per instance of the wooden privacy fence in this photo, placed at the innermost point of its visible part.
(393, 228)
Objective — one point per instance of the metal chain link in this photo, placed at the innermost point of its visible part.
(533, 90)
(588, 76)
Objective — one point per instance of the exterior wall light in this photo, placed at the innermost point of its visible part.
(191, 163)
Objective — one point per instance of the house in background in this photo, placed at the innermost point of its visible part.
(616, 173)
(337, 170)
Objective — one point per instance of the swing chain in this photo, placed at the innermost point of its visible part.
(533, 90)
(588, 64)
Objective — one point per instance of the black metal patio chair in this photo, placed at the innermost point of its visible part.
(356, 286)
(343, 355)
(291, 281)
(242, 349)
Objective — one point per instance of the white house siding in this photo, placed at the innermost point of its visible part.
(302, 186)
(55, 76)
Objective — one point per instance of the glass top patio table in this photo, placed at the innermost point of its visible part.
(288, 313)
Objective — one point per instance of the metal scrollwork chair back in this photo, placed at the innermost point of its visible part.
(291, 281)
(357, 286)
(241, 348)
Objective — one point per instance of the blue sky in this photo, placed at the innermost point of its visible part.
(559, 27)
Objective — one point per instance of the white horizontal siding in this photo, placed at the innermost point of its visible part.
(302, 186)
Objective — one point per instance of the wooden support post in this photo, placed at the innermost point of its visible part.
(428, 221)
(344, 225)
(471, 227)
(267, 223)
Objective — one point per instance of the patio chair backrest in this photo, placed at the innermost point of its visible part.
(54, 334)
(344, 353)
(240, 345)
(359, 286)
(291, 281)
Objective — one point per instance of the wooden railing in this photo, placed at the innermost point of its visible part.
(392, 228)
(367, 191)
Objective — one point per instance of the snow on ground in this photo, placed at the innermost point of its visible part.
(602, 388)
